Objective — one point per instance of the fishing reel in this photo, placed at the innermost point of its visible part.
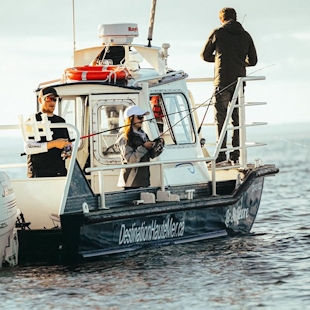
(66, 152)
(159, 144)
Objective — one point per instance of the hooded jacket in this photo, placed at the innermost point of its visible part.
(232, 49)
(133, 151)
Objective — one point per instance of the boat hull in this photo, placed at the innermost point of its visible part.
(85, 236)
(194, 220)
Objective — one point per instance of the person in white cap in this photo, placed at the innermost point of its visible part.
(135, 146)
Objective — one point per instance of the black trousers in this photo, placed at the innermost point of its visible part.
(222, 98)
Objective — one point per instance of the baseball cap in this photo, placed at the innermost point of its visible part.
(48, 91)
(134, 110)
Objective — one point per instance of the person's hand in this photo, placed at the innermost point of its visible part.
(148, 145)
(159, 144)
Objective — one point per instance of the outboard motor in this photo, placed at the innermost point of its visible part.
(8, 216)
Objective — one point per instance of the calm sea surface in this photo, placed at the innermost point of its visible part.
(268, 269)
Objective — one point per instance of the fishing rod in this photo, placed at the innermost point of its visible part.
(204, 116)
(199, 106)
(292, 142)
(147, 120)
(215, 93)
(191, 110)
(243, 19)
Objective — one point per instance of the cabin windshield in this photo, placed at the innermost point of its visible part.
(178, 124)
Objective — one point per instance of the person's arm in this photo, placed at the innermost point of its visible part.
(133, 155)
(207, 53)
(58, 143)
(251, 59)
(129, 154)
(32, 147)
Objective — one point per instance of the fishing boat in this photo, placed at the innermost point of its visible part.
(85, 215)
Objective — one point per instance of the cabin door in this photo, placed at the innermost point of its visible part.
(106, 121)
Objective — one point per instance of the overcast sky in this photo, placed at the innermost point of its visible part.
(36, 39)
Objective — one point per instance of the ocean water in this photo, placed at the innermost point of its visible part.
(267, 269)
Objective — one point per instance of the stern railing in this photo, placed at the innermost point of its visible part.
(238, 95)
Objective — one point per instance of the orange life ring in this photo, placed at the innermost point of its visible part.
(106, 73)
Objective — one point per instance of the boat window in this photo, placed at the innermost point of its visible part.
(110, 120)
(72, 110)
(178, 128)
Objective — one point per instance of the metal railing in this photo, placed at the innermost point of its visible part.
(71, 164)
(238, 94)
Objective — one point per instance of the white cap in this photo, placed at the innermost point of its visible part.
(134, 110)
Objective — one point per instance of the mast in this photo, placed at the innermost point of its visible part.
(73, 26)
(151, 24)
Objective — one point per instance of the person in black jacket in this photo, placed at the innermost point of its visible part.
(232, 49)
(135, 146)
(45, 158)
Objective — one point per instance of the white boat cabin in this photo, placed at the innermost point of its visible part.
(96, 108)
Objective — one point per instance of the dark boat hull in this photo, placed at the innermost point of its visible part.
(97, 233)
(193, 221)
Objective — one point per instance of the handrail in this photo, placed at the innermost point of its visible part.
(159, 77)
(48, 82)
(10, 166)
(238, 94)
(9, 127)
(199, 80)
(154, 163)
(71, 163)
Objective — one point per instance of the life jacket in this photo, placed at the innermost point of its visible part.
(158, 113)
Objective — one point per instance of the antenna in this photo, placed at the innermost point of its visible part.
(73, 24)
(152, 18)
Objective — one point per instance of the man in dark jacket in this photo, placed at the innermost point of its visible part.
(231, 48)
